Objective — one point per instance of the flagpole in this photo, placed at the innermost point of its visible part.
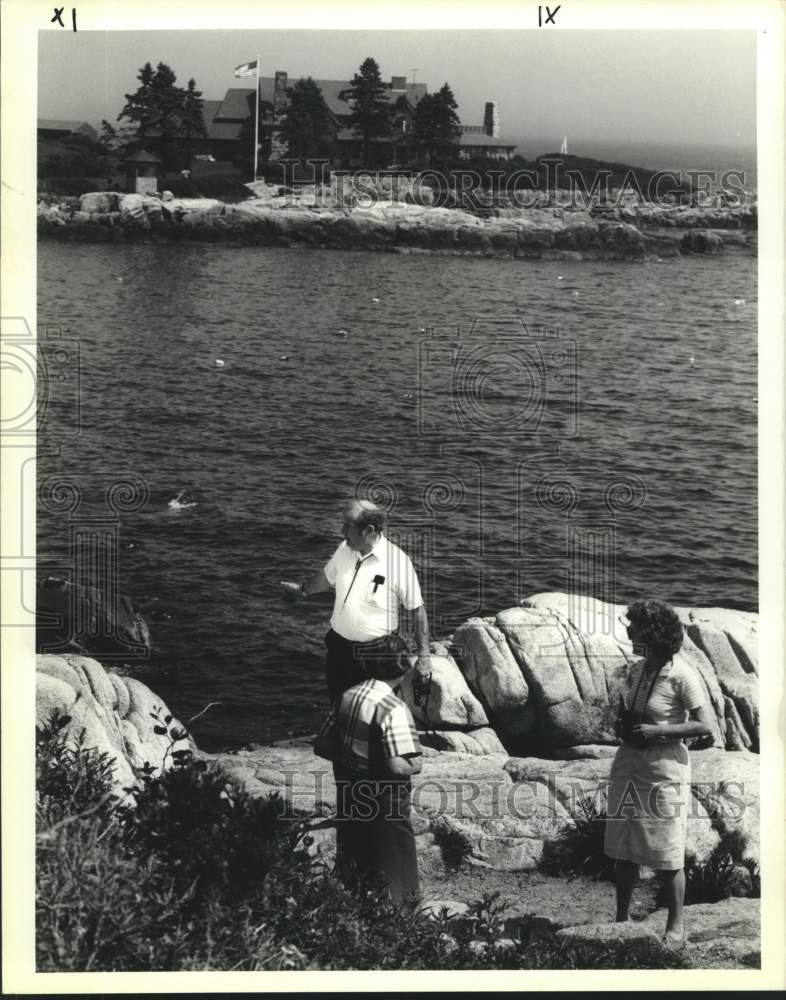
(256, 124)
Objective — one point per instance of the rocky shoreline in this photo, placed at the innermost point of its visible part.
(550, 229)
(518, 736)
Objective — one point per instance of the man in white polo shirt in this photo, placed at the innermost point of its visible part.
(371, 577)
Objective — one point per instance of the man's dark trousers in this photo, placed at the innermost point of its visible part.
(345, 663)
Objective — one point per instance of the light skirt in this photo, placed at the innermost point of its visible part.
(647, 805)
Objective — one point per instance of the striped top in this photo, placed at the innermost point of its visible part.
(676, 692)
(370, 724)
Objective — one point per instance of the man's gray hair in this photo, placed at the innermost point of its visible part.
(369, 514)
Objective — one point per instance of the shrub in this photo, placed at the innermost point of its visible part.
(723, 874)
(579, 851)
(70, 778)
(210, 832)
(198, 875)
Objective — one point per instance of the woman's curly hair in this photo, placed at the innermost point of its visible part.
(657, 627)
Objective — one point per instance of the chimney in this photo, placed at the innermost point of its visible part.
(280, 92)
(398, 83)
(491, 120)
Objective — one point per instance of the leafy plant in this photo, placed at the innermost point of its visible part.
(70, 777)
(210, 832)
(579, 850)
(200, 875)
(726, 872)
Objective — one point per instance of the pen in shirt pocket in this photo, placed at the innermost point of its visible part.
(378, 581)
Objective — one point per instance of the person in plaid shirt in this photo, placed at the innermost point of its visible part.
(371, 739)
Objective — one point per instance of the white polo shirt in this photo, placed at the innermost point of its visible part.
(369, 590)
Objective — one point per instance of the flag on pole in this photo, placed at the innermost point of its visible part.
(246, 69)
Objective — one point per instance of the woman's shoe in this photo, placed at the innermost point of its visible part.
(675, 942)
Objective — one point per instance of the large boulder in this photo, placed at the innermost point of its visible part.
(99, 201)
(477, 741)
(727, 786)
(702, 241)
(450, 702)
(574, 655)
(119, 716)
(730, 658)
(575, 679)
(141, 210)
(496, 677)
(181, 208)
(75, 618)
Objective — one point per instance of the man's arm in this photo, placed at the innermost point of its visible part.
(420, 625)
(315, 585)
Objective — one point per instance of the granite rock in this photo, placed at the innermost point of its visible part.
(118, 715)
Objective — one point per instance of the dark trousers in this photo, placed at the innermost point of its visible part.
(374, 832)
(347, 661)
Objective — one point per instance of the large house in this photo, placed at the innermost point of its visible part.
(228, 122)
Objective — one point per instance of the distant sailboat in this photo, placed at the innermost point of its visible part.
(564, 147)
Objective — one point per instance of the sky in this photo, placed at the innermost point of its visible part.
(600, 88)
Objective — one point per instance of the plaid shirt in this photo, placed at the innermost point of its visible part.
(368, 725)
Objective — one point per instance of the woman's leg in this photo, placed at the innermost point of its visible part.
(627, 874)
(674, 885)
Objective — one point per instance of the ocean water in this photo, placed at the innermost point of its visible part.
(593, 431)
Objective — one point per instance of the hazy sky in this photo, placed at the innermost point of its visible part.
(629, 86)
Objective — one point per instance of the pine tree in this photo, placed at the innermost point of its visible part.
(371, 111)
(139, 106)
(163, 111)
(436, 125)
(193, 123)
(307, 121)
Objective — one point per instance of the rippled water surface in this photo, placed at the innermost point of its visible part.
(506, 474)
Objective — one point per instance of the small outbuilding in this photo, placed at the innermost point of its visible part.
(142, 170)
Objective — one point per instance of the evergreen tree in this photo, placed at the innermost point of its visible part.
(108, 137)
(139, 106)
(371, 111)
(436, 125)
(306, 124)
(191, 115)
(162, 111)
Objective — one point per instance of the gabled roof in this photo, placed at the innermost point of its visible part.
(237, 100)
(209, 109)
(222, 129)
(236, 104)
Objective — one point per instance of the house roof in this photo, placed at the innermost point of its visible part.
(237, 100)
(236, 104)
(217, 129)
(224, 130)
(63, 125)
(209, 109)
(142, 157)
(477, 139)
